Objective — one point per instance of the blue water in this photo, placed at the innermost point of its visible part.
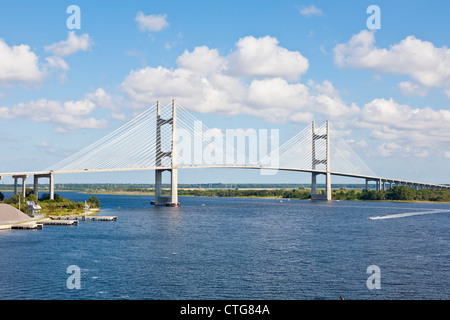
(229, 248)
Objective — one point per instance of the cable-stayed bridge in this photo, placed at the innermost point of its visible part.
(169, 138)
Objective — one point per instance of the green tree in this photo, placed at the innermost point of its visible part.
(401, 193)
(29, 191)
(31, 197)
(93, 202)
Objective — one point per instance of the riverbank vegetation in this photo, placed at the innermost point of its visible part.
(346, 192)
(58, 206)
(397, 193)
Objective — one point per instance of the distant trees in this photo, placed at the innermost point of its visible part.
(402, 193)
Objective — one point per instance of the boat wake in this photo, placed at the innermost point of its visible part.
(408, 214)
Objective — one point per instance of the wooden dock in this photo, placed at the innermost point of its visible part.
(102, 218)
(56, 221)
(82, 217)
(27, 226)
(60, 222)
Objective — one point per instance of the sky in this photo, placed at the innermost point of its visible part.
(382, 77)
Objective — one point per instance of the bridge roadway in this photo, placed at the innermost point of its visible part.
(380, 181)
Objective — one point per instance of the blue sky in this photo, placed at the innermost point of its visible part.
(389, 89)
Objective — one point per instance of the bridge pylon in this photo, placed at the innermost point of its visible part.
(172, 200)
(326, 162)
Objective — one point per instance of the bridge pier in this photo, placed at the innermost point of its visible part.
(24, 178)
(326, 161)
(51, 188)
(171, 201)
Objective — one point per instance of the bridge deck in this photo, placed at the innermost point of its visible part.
(342, 174)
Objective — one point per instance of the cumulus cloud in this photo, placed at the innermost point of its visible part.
(209, 82)
(151, 22)
(395, 115)
(18, 64)
(310, 11)
(56, 62)
(411, 132)
(409, 88)
(71, 45)
(393, 149)
(66, 116)
(426, 64)
(263, 57)
(202, 60)
(259, 78)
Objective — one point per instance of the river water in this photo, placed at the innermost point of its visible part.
(232, 248)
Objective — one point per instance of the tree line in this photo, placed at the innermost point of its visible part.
(401, 193)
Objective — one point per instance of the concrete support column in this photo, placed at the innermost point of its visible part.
(158, 185)
(36, 186)
(15, 185)
(158, 160)
(174, 151)
(313, 157)
(52, 187)
(24, 186)
(313, 183)
(328, 187)
(367, 184)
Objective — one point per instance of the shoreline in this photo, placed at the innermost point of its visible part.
(138, 193)
(9, 225)
(152, 193)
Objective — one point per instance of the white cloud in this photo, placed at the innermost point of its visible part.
(56, 62)
(102, 99)
(208, 82)
(151, 22)
(202, 61)
(263, 57)
(409, 88)
(411, 132)
(18, 64)
(66, 116)
(426, 64)
(310, 11)
(71, 45)
(393, 149)
(254, 79)
(394, 115)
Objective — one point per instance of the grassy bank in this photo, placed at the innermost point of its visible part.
(58, 206)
